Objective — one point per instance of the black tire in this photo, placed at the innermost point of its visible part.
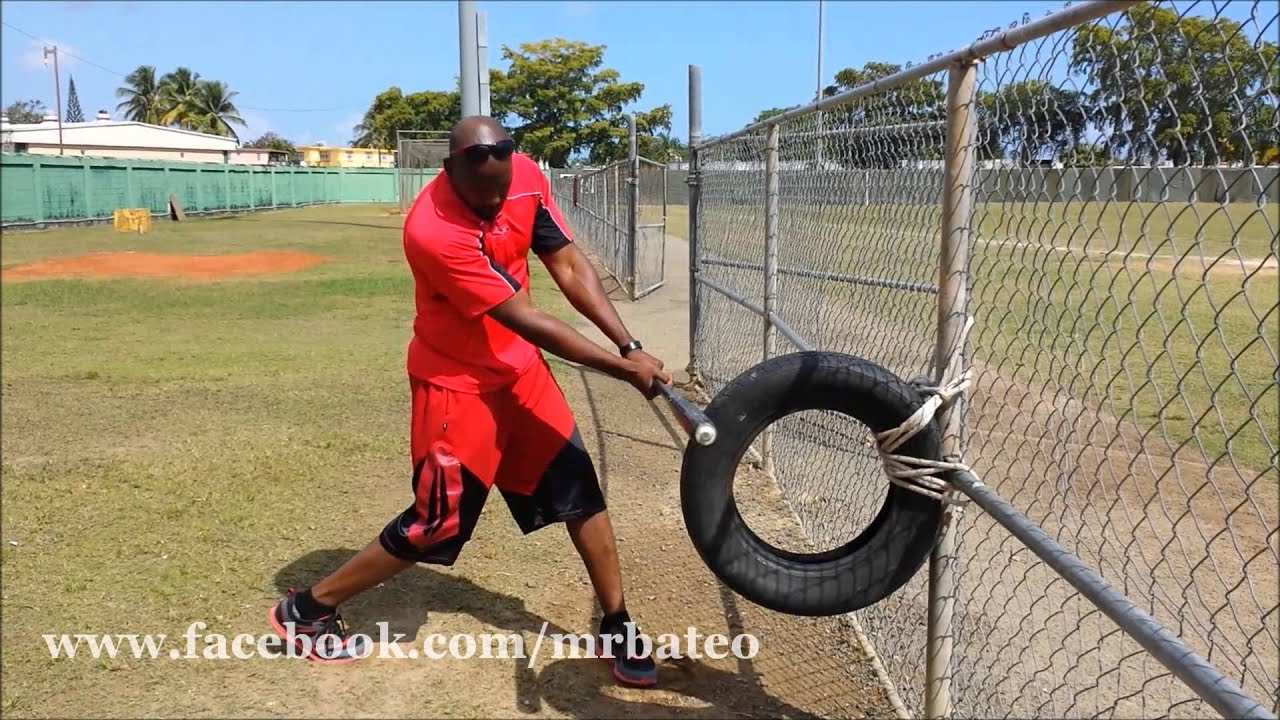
(862, 572)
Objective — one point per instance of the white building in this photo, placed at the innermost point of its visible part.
(107, 138)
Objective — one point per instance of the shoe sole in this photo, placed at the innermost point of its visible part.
(284, 635)
(628, 681)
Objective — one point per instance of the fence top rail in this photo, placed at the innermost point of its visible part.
(1003, 42)
(607, 168)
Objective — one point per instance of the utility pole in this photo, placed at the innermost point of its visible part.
(482, 61)
(817, 97)
(468, 72)
(57, 90)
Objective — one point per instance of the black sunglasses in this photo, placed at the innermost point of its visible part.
(480, 152)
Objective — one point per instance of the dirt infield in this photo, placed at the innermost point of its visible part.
(138, 264)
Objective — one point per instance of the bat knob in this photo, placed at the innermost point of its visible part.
(705, 434)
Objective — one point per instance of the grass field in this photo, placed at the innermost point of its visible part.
(182, 450)
(169, 446)
(1163, 312)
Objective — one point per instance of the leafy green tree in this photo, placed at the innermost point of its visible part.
(917, 101)
(651, 126)
(273, 141)
(1087, 156)
(664, 148)
(1030, 120)
(179, 93)
(22, 112)
(1192, 90)
(558, 99)
(140, 96)
(213, 110)
(392, 111)
(771, 112)
(74, 113)
(180, 98)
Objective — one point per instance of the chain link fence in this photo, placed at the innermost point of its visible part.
(420, 156)
(596, 204)
(1122, 275)
(619, 213)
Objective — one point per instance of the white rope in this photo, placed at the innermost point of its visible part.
(918, 474)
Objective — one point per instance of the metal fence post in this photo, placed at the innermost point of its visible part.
(633, 207)
(616, 246)
(957, 211)
(770, 266)
(695, 191)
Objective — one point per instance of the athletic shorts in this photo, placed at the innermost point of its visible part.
(522, 438)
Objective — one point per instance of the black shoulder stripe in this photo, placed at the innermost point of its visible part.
(547, 235)
(515, 284)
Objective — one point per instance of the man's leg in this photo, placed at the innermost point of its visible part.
(594, 540)
(546, 476)
(448, 499)
(370, 566)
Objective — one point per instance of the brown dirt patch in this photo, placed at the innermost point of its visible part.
(1196, 268)
(139, 264)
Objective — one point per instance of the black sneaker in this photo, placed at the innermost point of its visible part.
(329, 640)
(637, 671)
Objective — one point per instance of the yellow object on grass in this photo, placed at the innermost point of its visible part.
(133, 220)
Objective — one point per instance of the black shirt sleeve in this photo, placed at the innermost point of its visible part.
(547, 235)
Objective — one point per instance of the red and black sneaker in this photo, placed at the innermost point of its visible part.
(618, 636)
(322, 639)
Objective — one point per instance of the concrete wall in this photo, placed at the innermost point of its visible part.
(36, 189)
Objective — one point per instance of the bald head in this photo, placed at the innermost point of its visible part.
(476, 130)
(479, 164)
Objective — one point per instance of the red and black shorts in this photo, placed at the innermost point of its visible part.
(522, 438)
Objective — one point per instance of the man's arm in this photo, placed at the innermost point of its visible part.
(476, 286)
(578, 280)
(575, 276)
(555, 336)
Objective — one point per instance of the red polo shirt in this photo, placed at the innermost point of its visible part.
(463, 266)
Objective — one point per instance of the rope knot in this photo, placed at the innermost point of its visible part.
(917, 474)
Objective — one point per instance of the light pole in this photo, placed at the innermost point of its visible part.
(817, 97)
(57, 89)
(468, 70)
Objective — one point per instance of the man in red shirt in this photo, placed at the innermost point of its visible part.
(486, 409)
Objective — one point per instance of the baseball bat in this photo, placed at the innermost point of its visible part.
(690, 416)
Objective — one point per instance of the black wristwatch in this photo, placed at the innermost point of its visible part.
(633, 345)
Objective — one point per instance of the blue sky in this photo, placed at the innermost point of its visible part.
(308, 70)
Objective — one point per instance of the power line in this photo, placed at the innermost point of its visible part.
(64, 51)
(292, 110)
(122, 75)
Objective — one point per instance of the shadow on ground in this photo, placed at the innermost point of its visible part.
(575, 686)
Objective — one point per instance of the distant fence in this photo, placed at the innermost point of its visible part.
(37, 189)
(620, 213)
(844, 186)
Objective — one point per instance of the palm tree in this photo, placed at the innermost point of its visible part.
(177, 97)
(141, 94)
(213, 110)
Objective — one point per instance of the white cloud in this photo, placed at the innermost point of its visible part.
(33, 57)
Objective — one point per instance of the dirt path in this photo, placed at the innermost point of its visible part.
(804, 666)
